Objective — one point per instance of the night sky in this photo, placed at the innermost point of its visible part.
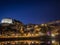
(30, 11)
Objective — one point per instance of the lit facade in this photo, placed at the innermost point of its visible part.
(17, 28)
(11, 28)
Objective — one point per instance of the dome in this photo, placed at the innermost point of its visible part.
(7, 20)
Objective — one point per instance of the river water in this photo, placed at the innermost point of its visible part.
(26, 42)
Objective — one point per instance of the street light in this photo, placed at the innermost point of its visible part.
(53, 35)
(53, 41)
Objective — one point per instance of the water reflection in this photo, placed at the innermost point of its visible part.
(26, 42)
(22, 42)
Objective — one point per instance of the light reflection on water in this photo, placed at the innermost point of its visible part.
(23, 42)
(27, 42)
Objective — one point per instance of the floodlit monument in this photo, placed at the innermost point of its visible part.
(7, 20)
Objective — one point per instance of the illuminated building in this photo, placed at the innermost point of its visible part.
(10, 21)
(11, 28)
(34, 29)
